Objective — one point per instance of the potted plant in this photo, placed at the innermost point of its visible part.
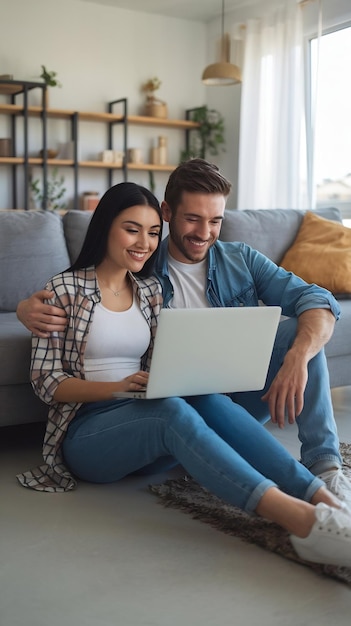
(50, 80)
(208, 138)
(55, 191)
(153, 106)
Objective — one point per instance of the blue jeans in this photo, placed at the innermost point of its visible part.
(217, 442)
(316, 425)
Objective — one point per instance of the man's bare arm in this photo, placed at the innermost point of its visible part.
(286, 393)
(38, 316)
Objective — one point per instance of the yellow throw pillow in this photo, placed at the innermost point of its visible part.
(321, 254)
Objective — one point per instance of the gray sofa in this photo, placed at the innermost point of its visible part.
(36, 245)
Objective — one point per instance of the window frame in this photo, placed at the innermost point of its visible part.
(343, 206)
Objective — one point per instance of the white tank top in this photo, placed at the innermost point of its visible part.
(116, 343)
(189, 284)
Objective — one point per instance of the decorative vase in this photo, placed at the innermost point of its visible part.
(162, 150)
(155, 108)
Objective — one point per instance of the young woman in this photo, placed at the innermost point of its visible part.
(112, 304)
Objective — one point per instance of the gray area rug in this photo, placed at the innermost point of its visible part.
(187, 495)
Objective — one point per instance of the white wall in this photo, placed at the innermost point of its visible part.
(100, 54)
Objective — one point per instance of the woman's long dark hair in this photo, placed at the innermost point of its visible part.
(113, 202)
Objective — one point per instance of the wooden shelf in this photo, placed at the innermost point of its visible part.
(100, 165)
(35, 161)
(35, 111)
(141, 120)
(141, 167)
(146, 167)
(11, 160)
(12, 88)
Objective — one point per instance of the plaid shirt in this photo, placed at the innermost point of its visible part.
(61, 356)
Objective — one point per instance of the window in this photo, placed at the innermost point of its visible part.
(332, 155)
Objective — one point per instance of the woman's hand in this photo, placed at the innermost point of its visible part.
(134, 382)
(78, 390)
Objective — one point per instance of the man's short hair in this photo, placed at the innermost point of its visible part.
(195, 176)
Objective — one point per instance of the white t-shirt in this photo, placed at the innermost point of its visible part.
(116, 343)
(189, 284)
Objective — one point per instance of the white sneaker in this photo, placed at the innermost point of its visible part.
(329, 541)
(338, 484)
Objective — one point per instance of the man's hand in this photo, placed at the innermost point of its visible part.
(39, 317)
(286, 393)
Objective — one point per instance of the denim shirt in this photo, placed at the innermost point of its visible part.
(238, 275)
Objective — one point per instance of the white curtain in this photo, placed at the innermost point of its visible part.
(272, 152)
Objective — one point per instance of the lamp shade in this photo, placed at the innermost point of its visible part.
(222, 73)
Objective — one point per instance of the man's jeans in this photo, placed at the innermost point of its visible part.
(316, 424)
(217, 442)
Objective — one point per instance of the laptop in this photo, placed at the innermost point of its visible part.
(214, 350)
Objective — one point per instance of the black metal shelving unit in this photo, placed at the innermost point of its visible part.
(116, 114)
(124, 121)
(12, 89)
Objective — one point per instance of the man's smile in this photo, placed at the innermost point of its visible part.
(197, 242)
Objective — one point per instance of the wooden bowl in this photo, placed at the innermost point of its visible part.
(51, 154)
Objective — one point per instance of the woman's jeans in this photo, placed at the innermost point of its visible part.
(316, 424)
(217, 442)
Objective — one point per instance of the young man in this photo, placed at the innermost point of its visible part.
(197, 270)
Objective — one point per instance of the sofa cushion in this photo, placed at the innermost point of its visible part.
(15, 349)
(32, 249)
(271, 231)
(75, 224)
(321, 253)
(340, 343)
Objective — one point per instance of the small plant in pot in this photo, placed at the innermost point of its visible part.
(50, 80)
(153, 107)
(55, 190)
(208, 138)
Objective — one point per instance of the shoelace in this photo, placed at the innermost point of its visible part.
(332, 520)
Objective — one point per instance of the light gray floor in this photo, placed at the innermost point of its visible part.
(113, 556)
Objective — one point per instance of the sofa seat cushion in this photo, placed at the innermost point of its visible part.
(321, 253)
(15, 350)
(340, 343)
(32, 249)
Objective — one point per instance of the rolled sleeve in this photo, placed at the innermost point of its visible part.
(320, 299)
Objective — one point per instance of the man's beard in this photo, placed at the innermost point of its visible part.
(179, 244)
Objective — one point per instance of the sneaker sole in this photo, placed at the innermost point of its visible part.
(308, 554)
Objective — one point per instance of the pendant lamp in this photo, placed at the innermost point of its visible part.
(223, 72)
